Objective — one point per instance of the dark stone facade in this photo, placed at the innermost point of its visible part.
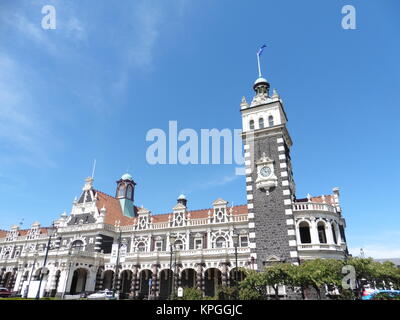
(270, 219)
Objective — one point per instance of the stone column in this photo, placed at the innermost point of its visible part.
(99, 279)
(314, 232)
(224, 275)
(135, 282)
(200, 277)
(13, 279)
(154, 283)
(329, 235)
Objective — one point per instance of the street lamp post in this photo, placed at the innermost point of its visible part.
(235, 237)
(69, 271)
(172, 239)
(117, 264)
(30, 275)
(50, 231)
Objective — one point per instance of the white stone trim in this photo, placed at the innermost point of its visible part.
(250, 206)
(288, 212)
(289, 222)
(247, 162)
(283, 165)
(249, 179)
(286, 192)
(291, 232)
(287, 202)
(248, 171)
(252, 245)
(279, 140)
(246, 147)
(285, 183)
(249, 188)
(293, 254)
(284, 174)
(251, 225)
(292, 243)
(281, 148)
(282, 157)
(247, 154)
(250, 215)
(249, 197)
(252, 235)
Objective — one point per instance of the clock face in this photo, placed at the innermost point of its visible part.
(265, 171)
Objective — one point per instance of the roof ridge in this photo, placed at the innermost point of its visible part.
(239, 205)
(106, 194)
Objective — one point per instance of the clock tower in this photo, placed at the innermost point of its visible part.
(269, 178)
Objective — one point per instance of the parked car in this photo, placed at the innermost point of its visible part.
(4, 292)
(371, 294)
(103, 294)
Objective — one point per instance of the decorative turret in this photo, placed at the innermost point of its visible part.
(182, 200)
(125, 194)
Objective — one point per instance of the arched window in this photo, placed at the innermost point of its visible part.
(220, 242)
(271, 121)
(304, 229)
(261, 123)
(121, 191)
(334, 233)
(178, 244)
(77, 245)
(141, 247)
(251, 123)
(321, 232)
(129, 191)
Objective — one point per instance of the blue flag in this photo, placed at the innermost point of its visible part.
(261, 50)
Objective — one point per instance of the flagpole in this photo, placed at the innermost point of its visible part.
(259, 68)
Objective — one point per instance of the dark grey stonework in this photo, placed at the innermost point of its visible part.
(271, 228)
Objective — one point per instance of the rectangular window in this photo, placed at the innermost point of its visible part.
(244, 241)
(198, 243)
(158, 246)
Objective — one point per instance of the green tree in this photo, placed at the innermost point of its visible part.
(280, 274)
(192, 294)
(316, 273)
(253, 287)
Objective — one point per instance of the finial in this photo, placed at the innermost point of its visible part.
(309, 197)
(275, 94)
(244, 103)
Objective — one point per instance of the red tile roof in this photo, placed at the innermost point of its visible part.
(114, 211)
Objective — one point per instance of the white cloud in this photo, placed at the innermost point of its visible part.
(23, 134)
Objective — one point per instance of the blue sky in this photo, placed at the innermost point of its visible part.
(111, 71)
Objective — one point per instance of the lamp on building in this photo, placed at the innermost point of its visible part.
(172, 239)
(50, 231)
